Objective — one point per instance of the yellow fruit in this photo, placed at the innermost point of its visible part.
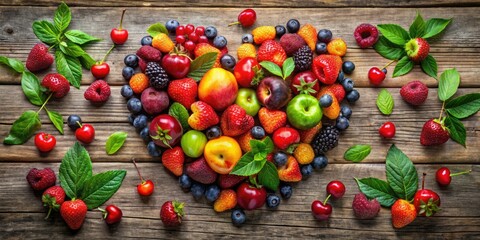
(304, 153)
(163, 43)
(246, 50)
(263, 33)
(309, 34)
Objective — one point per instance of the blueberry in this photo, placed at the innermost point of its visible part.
(247, 38)
(153, 150)
(306, 171)
(213, 132)
(126, 91)
(280, 31)
(145, 134)
(146, 41)
(228, 61)
(238, 217)
(210, 32)
(348, 67)
(140, 122)
(185, 181)
(324, 35)
(347, 84)
(131, 118)
(342, 123)
(134, 105)
(384, 70)
(131, 60)
(326, 100)
(320, 48)
(197, 190)
(212, 192)
(320, 162)
(286, 191)
(220, 42)
(340, 77)
(258, 132)
(72, 122)
(293, 25)
(172, 25)
(273, 201)
(127, 73)
(345, 111)
(353, 96)
(280, 158)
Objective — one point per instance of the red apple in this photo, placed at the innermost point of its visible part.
(218, 88)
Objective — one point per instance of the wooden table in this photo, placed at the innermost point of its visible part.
(21, 214)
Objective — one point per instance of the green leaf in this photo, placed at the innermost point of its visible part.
(288, 67)
(435, 26)
(75, 170)
(72, 49)
(268, 176)
(429, 66)
(87, 61)
(178, 111)
(46, 32)
(385, 102)
(394, 33)
(57, 120)
(69, 67)
(379, 189)
(246, 166)
(101, 187)
(357, 153)
(457, 130)
(80, 37)
(23, 128)
(156, 29)
(31, 88)
(464, 106)
(201, 65)
(388, 50)
(269, 147)
(115, 141)
(14, 64)
(272, 68)
(62, 17)
(448, 84)
(257, 146)
(403, 67)
(401, 174)
(417, 29)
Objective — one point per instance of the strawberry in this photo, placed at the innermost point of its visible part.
(39, 59)
(52, 198)
(414, 92)
(271, 51)
(171, 213)
(201, 172)
(434, 132)
(226, 201)
(336, 89)
(403, 213)
(173, 159)
(417, 49)
(246, 50)
(306, 136)
(183, 91)
(74, 213)
(263, 33)
(290, 172)
(235, 121)
(57, 84)
(163, 43)
(271, 120)
(203, 48)
(304, 153)
(244, 141)
(229, 180)
(326, 68)
(203, 116)
(149, 54)
(42, 179)
(309, 34)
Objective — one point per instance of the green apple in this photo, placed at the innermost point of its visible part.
(304, 112)
(247, 99)
(193, 143)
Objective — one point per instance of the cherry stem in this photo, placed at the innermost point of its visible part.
(423, 180)
(121, 19)
(104, 212)
(48, 214)
(253, 181)
(109, 51)
(45, 103)
(233, 23)
(138, 171)
(79, 124)
(461, 173)
(326, 199)
(388, 64)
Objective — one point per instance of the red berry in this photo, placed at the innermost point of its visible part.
(250, 197)
(366, 35)
(246, 18)
(200, 31)
(97, 92)
(180, 39)
(189, 28)
(100, 70)
(336, 189)
(193, 37)
(414, 92)
(112, 214)
(387, 130)
(189, 45)
(146, 187)
(426, 201)
(376, 76)
(57, 84)
(444, 177)
(45, 142)
(203, 39)
(171, 213)
(180, 30)
(118, 35)
(321, 211)
(41, 179)
(85, 134)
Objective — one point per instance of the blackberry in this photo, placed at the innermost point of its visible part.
(303, 59)
(325, 140)
(157, 75)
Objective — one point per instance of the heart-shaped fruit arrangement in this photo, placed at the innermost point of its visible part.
(232, 129)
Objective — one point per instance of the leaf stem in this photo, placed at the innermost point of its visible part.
(461, 173)
(108, 52)
(54, 45)
(326, 199)
(388, 64)
(138, 171)
(44, 103)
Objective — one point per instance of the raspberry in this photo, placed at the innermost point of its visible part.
(366, 35)
(139, 82)
(303, 59)
(325, 140)
(337, 47)
(57, 84)
(98, 92)
(414, 92)
(364, 208)
(157, 75)
(40, 180)
(149, 54)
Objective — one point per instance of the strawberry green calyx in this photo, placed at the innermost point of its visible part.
(417, 49)
(178, 208)
(258, 75)
(305, 88)
(51, 203)
(429, 208)
(441, 121)
(163, 135)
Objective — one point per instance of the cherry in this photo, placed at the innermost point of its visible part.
(251, 197)
(180, 39)
(193, 37)
(180, 30)
(387, 130)
(336, 189)
(119, 35)
(189, 28)
(200, 30)
(45, 142)
(145, 188)
(376, 76)
(246, 18)
(321, 210)
(101, 69)
(189, 45)
(85, 134)
(112, 214)
(444, 177)
(426, 201)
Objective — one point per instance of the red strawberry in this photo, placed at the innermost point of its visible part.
(229, 180)
(403, 213)
(173, 159)
(201, 172)
(74, 213)
(326, 68)
(39, 58)
(271, 51)
(306, 136)
(171, 213)
(417, 49)
(203, 116)
(271, 120)
(434, 132)
(52, 198)
(97, 92)
(40, 180)
(290, 172)
(183, 91)
(149, 54)
(235, 121)
(336, 89)
(414, 92)
(57, 84)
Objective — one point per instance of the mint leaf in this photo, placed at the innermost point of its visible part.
(457, 130)
(288, 67)
(101, 187)
(201, 65)
(379, 189)
(178, 111)
(417, 29)
(435, 26)
(62, 17)
(429, 66)
(257, 146)
(80, 37)
(268, 176)
(464, 106)
(448, 84)
(14, 64)
(87, 61)
(246, 166)
(115, 141)
(156, 28)
(387, 49)
(403, 67)
(23, 128)
(357, 153)
(401, 174)
(75, 170)
(71, 49)
(268, 145)
(46, 32)
(385, 102)
(394, 33)
(272, 68)
(69, 67)
(31, 88)
(57, 120)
